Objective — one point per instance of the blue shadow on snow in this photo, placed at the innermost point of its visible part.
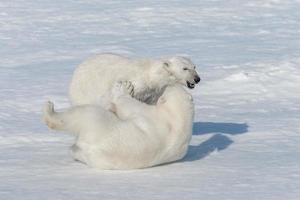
(200, 128)
(219, 141)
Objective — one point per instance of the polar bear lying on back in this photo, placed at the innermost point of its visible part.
(93, 79)
(137, 135)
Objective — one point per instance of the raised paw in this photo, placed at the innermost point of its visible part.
(122, 88)
(48, 110)
(48, 107)
(128, 88)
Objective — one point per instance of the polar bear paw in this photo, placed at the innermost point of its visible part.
(122, 88)
(48, 108)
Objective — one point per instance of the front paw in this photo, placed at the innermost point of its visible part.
(128, 88)
(122, 88)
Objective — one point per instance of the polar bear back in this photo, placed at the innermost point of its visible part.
(93, 79)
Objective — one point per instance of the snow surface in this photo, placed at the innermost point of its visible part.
(246, 132)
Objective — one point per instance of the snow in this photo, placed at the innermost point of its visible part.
(246, 132)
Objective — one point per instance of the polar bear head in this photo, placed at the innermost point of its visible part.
(183, 69)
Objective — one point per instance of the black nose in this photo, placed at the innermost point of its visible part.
(197, 79)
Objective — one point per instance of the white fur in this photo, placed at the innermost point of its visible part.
(137, 135)
(93, 79)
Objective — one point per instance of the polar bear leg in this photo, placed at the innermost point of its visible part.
(52, 118)
(63, 121)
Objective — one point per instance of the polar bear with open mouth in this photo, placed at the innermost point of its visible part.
(93, 79)
(135, 135)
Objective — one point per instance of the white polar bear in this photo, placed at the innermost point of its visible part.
(137, 135)
(93, 79)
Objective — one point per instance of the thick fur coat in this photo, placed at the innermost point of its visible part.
(133, 134)
(93, 79)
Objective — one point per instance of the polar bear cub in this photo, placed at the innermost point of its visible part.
(135, 135)
(93, 79)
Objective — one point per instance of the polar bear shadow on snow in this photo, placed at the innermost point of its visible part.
(219, 141)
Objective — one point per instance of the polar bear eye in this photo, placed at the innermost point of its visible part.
(185, 68)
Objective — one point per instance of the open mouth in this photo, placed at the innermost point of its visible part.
(190, 85)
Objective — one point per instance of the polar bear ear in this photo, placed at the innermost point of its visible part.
(167, 66)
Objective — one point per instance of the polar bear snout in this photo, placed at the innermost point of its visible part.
(197, 79)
